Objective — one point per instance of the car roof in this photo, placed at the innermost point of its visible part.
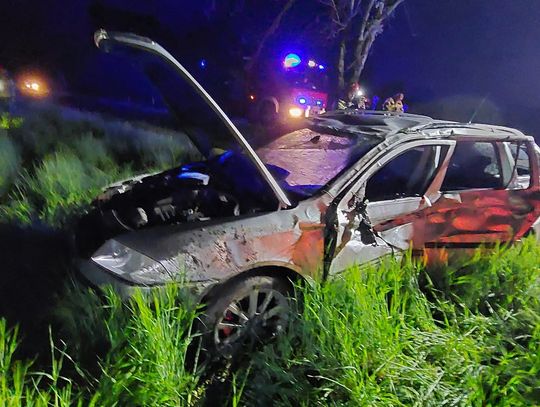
(386, 124)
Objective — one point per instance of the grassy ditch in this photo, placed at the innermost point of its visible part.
(51, 163)
(370, 337)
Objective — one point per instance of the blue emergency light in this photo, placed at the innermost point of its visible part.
(291, 60)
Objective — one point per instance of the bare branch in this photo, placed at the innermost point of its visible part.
(271, 30)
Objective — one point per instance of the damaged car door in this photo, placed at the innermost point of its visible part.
(377, 217)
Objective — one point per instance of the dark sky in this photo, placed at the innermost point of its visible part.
(466, 50)
(448, 56)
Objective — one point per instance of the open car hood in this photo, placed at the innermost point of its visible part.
(168, 76)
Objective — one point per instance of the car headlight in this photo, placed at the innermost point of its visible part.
(130, 264)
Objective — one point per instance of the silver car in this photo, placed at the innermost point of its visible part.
(345, 188)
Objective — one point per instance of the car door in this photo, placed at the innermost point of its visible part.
(379, 215)
(483, 198)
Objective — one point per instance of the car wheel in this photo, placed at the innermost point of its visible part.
(244, 314)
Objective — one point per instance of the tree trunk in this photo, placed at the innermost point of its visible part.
(371, 27)
(361, 56)
(341, 67)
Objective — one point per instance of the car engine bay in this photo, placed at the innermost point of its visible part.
(223, 186)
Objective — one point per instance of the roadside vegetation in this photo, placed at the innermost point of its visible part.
(371, 337)
(51, 165)
(379, 336)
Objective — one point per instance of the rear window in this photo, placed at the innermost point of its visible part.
(521, 157)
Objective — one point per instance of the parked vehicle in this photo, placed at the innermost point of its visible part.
(345, 188)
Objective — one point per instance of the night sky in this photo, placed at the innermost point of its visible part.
(448, 56)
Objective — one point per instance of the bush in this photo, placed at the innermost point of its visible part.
(10, 162)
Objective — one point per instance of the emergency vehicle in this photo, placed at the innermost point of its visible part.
(290, 88)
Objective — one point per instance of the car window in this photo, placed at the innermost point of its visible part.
(520, 164)
(305, 160)
(407, 175)
(521, 158)
(473, 165)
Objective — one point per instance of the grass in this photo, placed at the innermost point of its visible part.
(371, 337)
(374, 338)
(51, 166)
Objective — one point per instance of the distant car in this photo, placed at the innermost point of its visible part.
(344, 188)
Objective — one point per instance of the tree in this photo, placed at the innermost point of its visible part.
(353, 26)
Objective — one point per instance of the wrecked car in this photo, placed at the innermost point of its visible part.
(344, 188)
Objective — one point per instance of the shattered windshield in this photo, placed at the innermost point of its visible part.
(306, 160)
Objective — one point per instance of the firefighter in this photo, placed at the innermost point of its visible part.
(394, 103)
(355, 98)
(398, 102)
(389, 105)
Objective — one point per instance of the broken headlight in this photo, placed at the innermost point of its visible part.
(130, 264)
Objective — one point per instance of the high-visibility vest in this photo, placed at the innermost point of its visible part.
(389, 104)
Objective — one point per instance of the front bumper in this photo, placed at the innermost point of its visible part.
(90, 274)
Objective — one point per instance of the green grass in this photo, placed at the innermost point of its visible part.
(51, 167)
(371, 337)
(10, 162)
(374, 338)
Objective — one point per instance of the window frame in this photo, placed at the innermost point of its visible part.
(498, 157)
(357, 188)
(415, 173)
(514, 178)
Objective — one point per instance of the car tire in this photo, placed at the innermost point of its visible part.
(244, 314)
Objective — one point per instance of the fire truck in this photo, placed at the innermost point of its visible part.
(288, 89)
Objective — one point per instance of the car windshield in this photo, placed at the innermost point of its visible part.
(306, 160)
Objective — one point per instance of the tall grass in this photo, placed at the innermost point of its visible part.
(67, 161)
(147, 362)
(370, 337)
(20, 386)
(60, 184)
(10, 162)
(144, 363)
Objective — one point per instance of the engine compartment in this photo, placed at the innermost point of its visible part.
(169, 197)
(224, 186)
